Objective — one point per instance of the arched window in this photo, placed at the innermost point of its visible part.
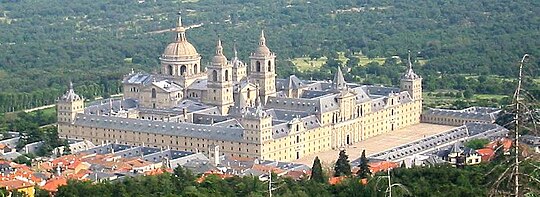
(195, 69)
(269, 66)
(258, 66)
(214, 75)
(182, 70)
(248, 93)
(171, 69)
(226, 75)
(153, 93)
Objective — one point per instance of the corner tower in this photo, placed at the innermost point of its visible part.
(263, 69)
(411, 82)
(180, 60)
(220, 85)
(68, 106)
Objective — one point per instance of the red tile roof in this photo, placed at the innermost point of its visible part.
(15, 184)
(53, 184)
(486, 154)
(382, 166)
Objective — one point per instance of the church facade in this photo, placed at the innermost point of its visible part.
(239, 109)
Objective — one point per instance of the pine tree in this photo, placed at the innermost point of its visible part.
(317, 174)
(342, 167)
(364, 171)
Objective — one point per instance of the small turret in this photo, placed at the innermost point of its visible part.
(339, 82)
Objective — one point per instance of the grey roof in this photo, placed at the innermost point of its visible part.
(480, 115)
(339, 81)
(531, 139)
(105, 106)
(199, 166)
(138, 79)
(182, 129)
(379, 90)
(292, 82)
(167, 86)
(286, 115)
(199, 84)
(309, 94)
(70, 94)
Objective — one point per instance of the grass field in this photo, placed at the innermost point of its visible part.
(438, 99)
(305, 63)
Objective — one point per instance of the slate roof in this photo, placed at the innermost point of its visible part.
(138, 79)
(483, 114)
(167, 86)
(182, 129)
(199, 84)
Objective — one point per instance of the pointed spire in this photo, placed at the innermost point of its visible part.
(219, 48)
(235, 52)
(70, 86)
(262, 40)
(409, 60)
(179, 23)
(339, 81)
(70, 94)
(409, 74)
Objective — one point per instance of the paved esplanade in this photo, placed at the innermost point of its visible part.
(379, 143)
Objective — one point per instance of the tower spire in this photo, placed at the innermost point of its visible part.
(339, 81)
(179, 24)
(262, 39)
(409, 60)
(219, 48)
(409, 74)
(70, 86)
(235, 52)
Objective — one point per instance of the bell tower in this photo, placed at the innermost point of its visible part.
(411, 82)
(220, 85)
(263, 69)
(69, 105)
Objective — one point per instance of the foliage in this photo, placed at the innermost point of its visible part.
(342, 166)
(317, 173)
(94, 43)
(23, 160)
(444, 181)
(476, 143)
(364, 170)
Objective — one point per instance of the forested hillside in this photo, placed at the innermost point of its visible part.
(45, 43)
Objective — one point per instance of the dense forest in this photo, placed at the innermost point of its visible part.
(434, 181)
(46, 43)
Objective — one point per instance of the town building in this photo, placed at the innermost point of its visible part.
(239, 109)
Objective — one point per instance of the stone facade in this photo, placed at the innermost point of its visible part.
(226, 110)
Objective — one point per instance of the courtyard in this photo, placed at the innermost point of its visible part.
(378, 143)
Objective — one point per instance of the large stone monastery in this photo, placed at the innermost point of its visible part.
(239, 109)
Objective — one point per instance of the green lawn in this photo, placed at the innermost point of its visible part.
(305, 63)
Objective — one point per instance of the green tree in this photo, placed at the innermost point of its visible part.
(468, 94)
(364, 171)
(477, 143)
(22, 160)
(342, 166)
(317, 173)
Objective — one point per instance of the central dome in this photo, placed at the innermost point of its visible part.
(179, 50)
